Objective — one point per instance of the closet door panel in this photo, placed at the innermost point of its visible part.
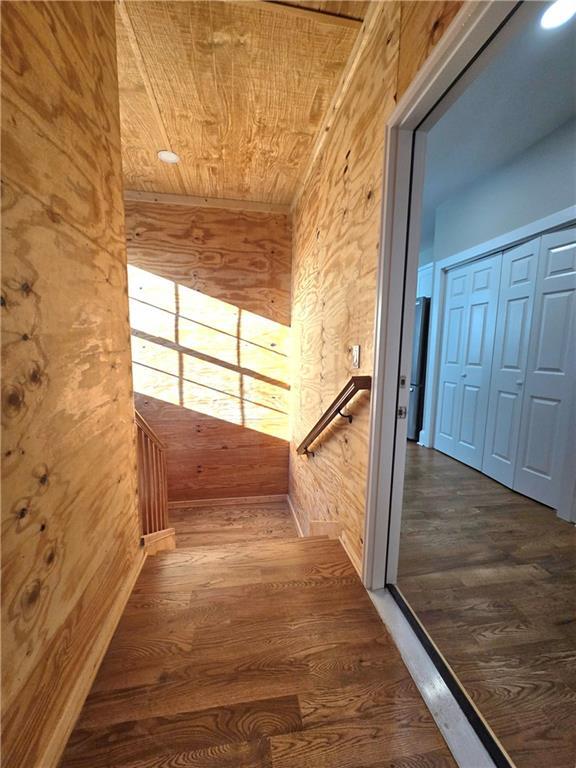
(467, 344)
(450, 395)
(546, 452)
(512, 336)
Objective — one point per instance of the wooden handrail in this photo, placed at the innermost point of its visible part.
(354, 385)
(152, 480)
(145, 427)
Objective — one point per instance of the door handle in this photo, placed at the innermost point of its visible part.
(519, 382)
(463, 375)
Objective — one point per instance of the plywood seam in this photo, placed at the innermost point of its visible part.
(375, 10)
(323, 16)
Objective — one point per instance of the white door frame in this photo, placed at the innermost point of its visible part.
(472, 29)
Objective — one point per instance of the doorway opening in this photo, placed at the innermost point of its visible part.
(474, 412)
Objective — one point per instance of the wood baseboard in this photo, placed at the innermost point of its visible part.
(352, 557)
(295, 516)
(71, 711)
(228, 501)
(330, 528)
(159, 541)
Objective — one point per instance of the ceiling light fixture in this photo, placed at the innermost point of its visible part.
(167, 156)
(558, 13)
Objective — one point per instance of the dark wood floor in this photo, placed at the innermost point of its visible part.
(225, 523)
(492, 576)
(265, 653)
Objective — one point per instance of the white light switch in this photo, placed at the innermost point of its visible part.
(355, 355)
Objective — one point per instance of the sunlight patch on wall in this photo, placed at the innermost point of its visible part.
(207, 355)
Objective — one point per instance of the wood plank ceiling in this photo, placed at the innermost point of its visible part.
(237, 89)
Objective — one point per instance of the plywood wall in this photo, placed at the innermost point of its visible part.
(69, 517)
(336, 230)
(210, 314)
(423, 24)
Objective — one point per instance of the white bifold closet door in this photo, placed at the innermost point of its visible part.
(546, 454)
(471, 302)
(511, 342)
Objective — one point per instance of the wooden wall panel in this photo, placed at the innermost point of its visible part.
(336, 229)
(423, 24)
(237, 89)
(210, 315)
(69, 516)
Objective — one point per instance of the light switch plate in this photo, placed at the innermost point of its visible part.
(355, 355)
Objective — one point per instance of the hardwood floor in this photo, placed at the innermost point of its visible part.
(226, 523)
(492, 576)
(265, 653)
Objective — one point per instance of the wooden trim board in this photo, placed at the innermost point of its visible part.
(228, 501)
(330, 528)
(295, 516)
(83, 684)
(194, 201)
(159, 541)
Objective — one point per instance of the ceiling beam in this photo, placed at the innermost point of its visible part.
(133, 195)
(375, 11)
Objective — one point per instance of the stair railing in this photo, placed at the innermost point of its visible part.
(152, 489)
(352, 387)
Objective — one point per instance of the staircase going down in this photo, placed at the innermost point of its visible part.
(250, 647)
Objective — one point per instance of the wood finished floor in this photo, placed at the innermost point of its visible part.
(227, 524)
(492, 576)
(264, 653)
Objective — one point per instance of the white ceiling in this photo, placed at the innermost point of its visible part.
(525, 93)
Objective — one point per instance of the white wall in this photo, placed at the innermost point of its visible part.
(425, 282)
(538, 182)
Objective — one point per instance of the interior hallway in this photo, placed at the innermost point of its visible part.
(262, 653)
(491, 575)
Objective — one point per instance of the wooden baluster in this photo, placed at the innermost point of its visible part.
(156, 488)
(152, 483)
(165, 489)
(140, 476)
(149, 488)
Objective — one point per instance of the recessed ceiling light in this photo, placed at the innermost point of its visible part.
(558, 13)
(168, 157)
